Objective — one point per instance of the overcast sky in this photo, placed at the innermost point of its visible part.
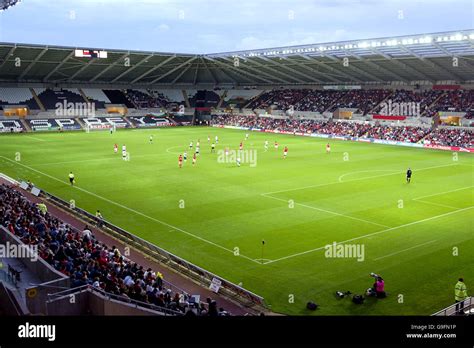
(211, 26)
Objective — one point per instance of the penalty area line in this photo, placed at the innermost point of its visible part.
(374, 233)
(132, 210)
(402, 251)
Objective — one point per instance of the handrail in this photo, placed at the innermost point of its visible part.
(244, 296)
(110, 296)
(451, 310)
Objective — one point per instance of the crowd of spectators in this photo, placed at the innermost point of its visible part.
(457, 101)
(364, 100)
(80, 256)
(399, 133)
(450, 137)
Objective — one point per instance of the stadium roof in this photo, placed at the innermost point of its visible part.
(447, 56)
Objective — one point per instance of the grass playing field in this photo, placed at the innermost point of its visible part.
(418, 236)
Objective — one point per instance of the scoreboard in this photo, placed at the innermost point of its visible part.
(90, 54)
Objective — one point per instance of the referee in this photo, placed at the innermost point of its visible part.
(408, 175)
(71, 179)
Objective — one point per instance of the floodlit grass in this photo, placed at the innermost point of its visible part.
(418, 236)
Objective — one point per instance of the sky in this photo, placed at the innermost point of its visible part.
(214, 26)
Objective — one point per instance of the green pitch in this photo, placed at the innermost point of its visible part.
(418, 236)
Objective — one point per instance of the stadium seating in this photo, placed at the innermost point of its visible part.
(49, 97)
(451, 137)
(96, 96)
(240, 97)
(17, 96)
(79, 255)
(447, 137)
(364, 100)
(117, 97)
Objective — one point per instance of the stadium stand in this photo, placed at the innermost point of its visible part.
(168, 96)
(17, 96)
(446, 137)
(240, 97)
(204, 98)
(86, 261)
(49, 97)
(451, 137)
(96, 96)
(117, 97)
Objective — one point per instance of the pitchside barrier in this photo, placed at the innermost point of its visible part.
(202, 276)
(364, 140)
(59, 303)
(468, 309)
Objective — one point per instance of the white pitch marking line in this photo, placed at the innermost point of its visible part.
(35, 138)
(401, 251)
(437, 204)
(374, 233)
(96, 159)
(327, 211)
(369, 177)
(367, 171)
(441, 193)
(132, 210)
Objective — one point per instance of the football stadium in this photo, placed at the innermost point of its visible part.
(325, 179)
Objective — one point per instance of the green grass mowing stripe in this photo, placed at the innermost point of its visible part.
(442, 193)
(373, 234)
(359, 179)
(407, 249)
(132, 210)
(326, 211)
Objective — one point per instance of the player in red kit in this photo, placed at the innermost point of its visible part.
(180, 161)
(241, 146)
(285, 152)
(115, 148)
(194, 159)
(328, 148)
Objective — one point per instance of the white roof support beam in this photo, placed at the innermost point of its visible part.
(321, 73)
(254, 61)
(209, 70)
(59, 66)
(402, 65)
(173, 70)
(377, 67)
(28, 68)
(133, 67)
(339, 73)
(122, 58)
(196, 74)
(86, 65)
(291, 70)
(431, 64)
(242, 66)
(167, 60)
(10, 52)
(181, 74)
(238, 71)
(354, 68)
